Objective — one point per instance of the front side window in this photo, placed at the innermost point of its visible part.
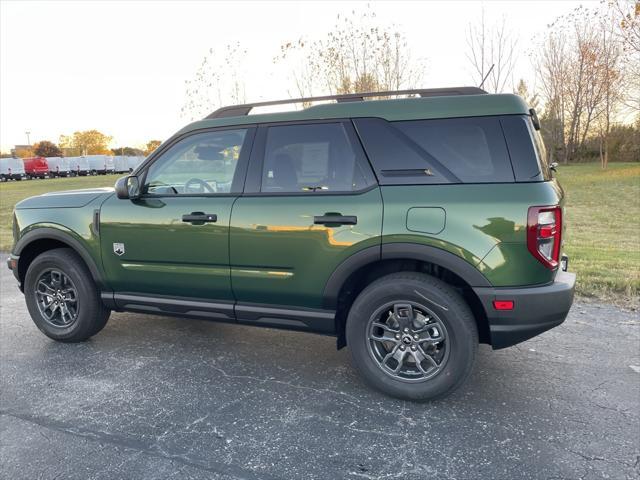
(310, 158)
(204, 163)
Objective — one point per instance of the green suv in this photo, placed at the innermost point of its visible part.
(411, 229)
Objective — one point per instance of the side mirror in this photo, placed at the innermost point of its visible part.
(128, 187)
(554, 166)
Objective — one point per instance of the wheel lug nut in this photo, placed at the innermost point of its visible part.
(406, 330)
(416, 338)
(402, 347)
(397, 336)
(413, 347)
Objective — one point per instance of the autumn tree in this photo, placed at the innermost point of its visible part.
(360, 54)
(46, 148)
(89, 142)
(491, 52)
(151, 146)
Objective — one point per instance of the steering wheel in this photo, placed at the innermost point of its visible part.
(203, 186)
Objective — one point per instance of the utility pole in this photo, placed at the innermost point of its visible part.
(28, 132)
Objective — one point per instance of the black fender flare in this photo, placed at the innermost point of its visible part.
(49, 233)
(400, 250)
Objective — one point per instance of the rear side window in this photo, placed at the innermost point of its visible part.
(312, 158)
(456, 150)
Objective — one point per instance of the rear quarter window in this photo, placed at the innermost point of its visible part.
(456, 150)
(526, 149)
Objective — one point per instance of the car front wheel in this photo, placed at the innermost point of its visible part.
(62, 297)
(412, 336)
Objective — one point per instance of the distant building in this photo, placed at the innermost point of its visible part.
(22, 151)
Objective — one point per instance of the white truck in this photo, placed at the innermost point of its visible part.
(58, 167)
(11, 169)
(121, 164)
(78, 166)
(100, 164)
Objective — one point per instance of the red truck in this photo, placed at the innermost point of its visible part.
(36, 167)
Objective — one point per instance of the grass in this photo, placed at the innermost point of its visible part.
(603, 229)
(602, 216)
(12, 192)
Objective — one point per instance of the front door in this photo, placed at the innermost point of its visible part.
(310, 202)
(174, 240)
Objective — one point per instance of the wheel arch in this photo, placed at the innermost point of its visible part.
(42, 239)
(365, 266)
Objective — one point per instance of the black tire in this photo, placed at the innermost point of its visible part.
(442, 306)
(90, 315)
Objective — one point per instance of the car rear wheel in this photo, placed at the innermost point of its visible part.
(412, 336)
(62, 297)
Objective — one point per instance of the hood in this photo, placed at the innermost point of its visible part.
(66, 199)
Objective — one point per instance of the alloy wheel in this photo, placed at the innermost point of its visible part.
(408, 341)
(57, 298)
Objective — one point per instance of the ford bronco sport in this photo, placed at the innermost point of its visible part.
(411, 229)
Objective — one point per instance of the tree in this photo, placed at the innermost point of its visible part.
(358, 55)
(151, 146)
(522, 89)
(579, 70)
(219, 81)
(46, 148)
(89, 142)
(610, 64)
(626, 15)
(491, 52)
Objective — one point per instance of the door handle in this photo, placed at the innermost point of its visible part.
(335, 219)
(199, 217)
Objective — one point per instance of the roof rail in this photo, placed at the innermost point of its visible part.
(241, 110)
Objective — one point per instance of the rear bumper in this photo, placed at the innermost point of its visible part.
(535, 310)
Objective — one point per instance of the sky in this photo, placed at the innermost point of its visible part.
(120, 67)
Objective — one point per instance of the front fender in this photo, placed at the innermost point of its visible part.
(38, 235)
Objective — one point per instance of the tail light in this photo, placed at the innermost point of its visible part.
(544, 232)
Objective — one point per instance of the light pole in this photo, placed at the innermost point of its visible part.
(28, 132)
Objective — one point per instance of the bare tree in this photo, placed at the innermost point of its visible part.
(551, 66)
(578, 65)
(611, 75)
(218, 81)
(358, 55)
(626, 18)
(491, 51)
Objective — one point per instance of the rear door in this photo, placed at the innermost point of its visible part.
(310, 202)
(174, 241)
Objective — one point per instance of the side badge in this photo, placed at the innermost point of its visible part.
(118, 249)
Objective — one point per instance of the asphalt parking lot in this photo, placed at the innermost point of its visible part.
(160, 398)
